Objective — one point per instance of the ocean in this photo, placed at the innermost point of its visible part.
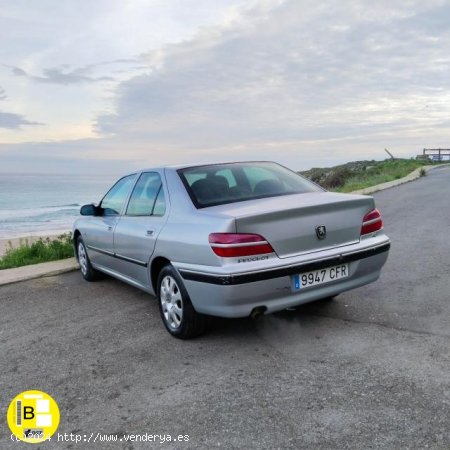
(33, 204)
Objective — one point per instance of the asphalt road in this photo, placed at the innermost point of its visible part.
(370, 370)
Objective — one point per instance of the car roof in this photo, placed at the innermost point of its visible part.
(200, 164)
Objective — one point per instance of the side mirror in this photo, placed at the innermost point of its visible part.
(89, 210)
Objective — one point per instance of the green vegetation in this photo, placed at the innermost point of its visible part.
(362, 174)
(42, 250)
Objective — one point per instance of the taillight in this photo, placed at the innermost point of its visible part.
(229, 245)
(371, 222)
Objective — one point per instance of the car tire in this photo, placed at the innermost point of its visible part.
(86, 269)
(177, 313)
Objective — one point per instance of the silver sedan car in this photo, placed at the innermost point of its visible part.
(230, 240)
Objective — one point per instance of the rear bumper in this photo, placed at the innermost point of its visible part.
(236, 295)
(250, 277)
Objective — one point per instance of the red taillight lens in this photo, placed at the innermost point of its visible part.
(371, 222)
(229, 245)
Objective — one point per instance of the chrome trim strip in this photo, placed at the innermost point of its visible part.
(96, 249)
(115, 255)
(241, 244)
(370, 222)
(131, 260)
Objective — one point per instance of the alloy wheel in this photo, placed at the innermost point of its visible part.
(82, 258)
(171, 302)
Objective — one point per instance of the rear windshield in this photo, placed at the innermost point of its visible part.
(236, 182)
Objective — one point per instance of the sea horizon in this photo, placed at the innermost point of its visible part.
(34, 204)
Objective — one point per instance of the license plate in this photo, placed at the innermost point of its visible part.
(320, 276)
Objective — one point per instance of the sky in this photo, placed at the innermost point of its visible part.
(118, 85)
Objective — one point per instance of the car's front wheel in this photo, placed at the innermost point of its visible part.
(177, 313)
(88, 272)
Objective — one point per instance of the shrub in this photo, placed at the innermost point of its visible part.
(42, 250)
(337, 178)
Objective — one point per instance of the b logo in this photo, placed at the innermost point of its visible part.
(33, 416)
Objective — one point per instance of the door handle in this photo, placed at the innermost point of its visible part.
(150, 232)
(110, 228)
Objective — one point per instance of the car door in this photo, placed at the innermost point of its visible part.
(138, 228)
(99, 235)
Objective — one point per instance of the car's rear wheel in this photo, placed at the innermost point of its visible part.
(88, 272)
(177, 313)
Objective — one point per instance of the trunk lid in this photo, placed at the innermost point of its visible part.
(289, 222)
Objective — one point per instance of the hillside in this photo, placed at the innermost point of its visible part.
(361, 174)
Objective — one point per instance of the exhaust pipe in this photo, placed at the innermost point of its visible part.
(258, 312)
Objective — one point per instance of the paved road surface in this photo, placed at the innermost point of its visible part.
(370, 370)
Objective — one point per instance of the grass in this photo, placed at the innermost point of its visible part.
(42, 250)
(362, 174)
(389, 170)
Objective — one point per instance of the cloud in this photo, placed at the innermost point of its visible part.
(65, 74)
(14, 121)
(295, 71)
(62, 75)
(93, 156)
(299, 81)
(18, 72)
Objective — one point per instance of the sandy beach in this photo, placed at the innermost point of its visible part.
(30, 238)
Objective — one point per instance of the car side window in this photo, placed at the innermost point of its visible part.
(147, 198)
(160, 204)
(113, 201)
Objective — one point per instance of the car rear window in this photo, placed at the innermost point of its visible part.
(219, 184)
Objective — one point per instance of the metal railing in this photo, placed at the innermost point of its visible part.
(438, 154)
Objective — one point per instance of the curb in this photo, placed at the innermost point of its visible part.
(47, 269)
(9, 276)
